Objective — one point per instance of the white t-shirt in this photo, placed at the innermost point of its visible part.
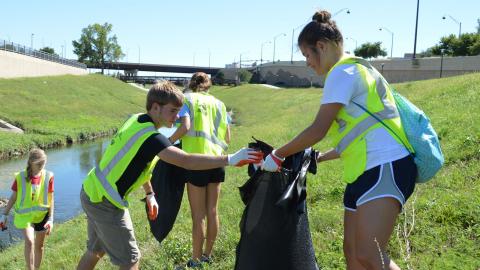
(344, 85)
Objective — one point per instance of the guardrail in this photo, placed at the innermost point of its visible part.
(22, 49)
(152, 79)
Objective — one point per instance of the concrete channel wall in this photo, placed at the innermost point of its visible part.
(13, 65)
(297, 74)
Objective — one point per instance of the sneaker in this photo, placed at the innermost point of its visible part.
(194, 264)
(206, 259)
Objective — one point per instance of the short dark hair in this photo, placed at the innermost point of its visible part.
(164, 92)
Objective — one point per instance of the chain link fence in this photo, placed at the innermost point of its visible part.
(22, 49)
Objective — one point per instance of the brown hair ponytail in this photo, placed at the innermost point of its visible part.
(200, 82)
(38, 157)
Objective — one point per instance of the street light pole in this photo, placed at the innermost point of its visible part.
(355, 42)
(139, 54)
(241, 58)
(391, 47)
(274, 40)
(441, 62)
(416, 28)
(31, 41)
(340, 11)
(261, 51)
(457, 22)
(293, 35)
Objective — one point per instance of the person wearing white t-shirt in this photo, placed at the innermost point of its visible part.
(379, 170)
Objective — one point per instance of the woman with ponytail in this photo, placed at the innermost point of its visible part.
(204, 129)
(32, 196)
(378, 170)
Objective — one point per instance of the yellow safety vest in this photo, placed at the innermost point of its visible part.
(349, 132)
(101, 180)
(31, 206)
(208, 125)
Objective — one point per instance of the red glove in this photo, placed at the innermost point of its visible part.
(152, 206)
(245, 156)
(272, 163)
(49, 226)
(3, 222)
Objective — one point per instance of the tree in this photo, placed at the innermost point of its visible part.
(219, 78)
(370, 50)
(478, 26)
(467, 44)
(244, 75)
(97, 45)
(48, 50)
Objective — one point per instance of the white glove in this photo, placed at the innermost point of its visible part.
(272, 163)
(49, 226)
(152, 206)
(3, 221)
(245, 156)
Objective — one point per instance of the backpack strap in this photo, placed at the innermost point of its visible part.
(383, 123)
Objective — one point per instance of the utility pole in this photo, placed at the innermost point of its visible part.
(416, 28)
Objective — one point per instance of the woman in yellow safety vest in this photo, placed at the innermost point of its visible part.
(204, 129)
(32, 197)
(378, 169)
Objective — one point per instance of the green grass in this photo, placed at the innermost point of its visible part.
(61, 109)
(446, 233)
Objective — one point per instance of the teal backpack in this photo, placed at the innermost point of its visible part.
(420, 134)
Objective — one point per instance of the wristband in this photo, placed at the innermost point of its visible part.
(150, 193)
(277, 157)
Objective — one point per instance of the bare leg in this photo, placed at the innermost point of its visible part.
(213, 223)
(29, 236)
(197, 198)
(375, 223)
(38, 255)
(349, 227)
(89, 260)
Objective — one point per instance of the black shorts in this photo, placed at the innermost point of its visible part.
(204, 177)
(394, 179)
(38, 227)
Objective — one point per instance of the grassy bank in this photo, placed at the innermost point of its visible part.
(445, 211)
(54, 111)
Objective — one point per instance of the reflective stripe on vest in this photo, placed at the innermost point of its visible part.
(101, 174)
(21, 209)
(389, 112)
(202, 134)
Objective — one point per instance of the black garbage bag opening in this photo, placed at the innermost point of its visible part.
(274, 227)
(168, 183)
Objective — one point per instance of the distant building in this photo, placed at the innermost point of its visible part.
(410, 55)
(232, 65)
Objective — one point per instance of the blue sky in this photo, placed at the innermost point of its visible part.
(186, 32)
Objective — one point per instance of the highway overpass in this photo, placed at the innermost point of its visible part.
(155, 67)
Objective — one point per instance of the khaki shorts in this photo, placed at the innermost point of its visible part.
(110, 230)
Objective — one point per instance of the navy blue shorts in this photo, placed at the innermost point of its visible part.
(394, 179)
(203, 177)
(38, 227)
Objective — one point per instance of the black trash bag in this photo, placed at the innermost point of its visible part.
(168, 183)
(274, 228)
